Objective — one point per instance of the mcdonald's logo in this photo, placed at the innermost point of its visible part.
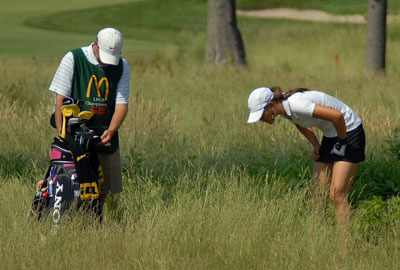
(98, 85)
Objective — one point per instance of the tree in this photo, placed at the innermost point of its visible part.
(376, 37)
(224, 44)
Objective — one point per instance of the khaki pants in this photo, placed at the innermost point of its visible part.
(112, 172)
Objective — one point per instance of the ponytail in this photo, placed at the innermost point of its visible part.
(279, 96)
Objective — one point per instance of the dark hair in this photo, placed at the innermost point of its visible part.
(279, 96)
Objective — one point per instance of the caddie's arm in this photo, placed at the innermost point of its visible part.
(58, 113)
(119, 115)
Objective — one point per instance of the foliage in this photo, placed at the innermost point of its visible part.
(14, 165)
(376, 217)
(377, 177)
(394, 144)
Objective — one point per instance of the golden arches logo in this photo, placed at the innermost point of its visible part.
(98, 85)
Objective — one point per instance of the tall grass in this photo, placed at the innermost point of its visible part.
(208, 221)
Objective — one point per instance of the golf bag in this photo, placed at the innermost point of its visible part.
(74, 176)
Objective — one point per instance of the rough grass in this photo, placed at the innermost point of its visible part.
(229, 223)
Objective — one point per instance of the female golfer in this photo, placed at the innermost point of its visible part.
(342, 148)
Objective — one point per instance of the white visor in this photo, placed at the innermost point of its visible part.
(257, 101)
(255, 116)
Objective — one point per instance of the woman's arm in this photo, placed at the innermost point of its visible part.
(310, 136)
(335, 116)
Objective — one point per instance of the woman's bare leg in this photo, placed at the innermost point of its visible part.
(321, 179)
(343, 174)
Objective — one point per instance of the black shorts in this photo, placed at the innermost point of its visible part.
(355, 150)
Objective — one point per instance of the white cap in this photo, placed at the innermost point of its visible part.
(110, 45)
(258, 100)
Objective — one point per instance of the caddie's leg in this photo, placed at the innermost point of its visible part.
(103, 198)
(112, 173)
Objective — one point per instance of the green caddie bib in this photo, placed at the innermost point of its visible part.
(96, 86)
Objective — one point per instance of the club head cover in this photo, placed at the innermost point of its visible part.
(64, 127)
(86, 115)
(67, 112)
(68, 101)
(70, 110)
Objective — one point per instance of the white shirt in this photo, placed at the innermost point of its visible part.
(62, 81)
(299, 109)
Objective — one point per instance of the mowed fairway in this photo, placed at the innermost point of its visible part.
(202, 189)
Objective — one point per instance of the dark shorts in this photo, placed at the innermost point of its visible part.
(112, 172)
(355, 150)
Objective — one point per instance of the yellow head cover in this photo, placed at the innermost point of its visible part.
(67, 112)
(85, 115)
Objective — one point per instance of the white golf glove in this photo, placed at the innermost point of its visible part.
(340, 147)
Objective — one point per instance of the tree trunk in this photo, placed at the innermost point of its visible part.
(224, 43)
(376, 37)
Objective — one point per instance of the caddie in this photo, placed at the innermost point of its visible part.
(100, 77)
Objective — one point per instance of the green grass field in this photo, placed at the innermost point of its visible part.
(332, 6)
(202, 189)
